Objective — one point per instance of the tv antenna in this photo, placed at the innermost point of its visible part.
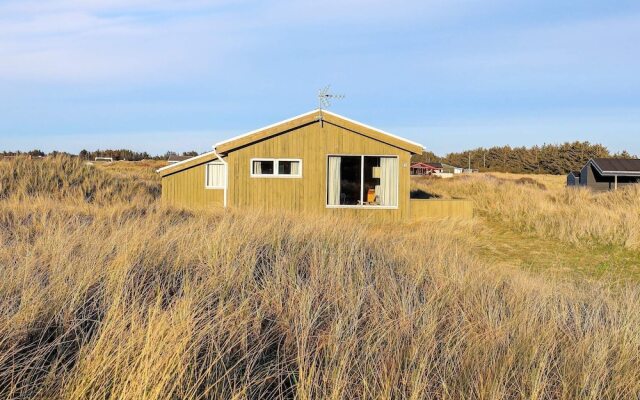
(325, 98)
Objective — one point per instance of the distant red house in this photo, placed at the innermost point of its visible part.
(421, 168)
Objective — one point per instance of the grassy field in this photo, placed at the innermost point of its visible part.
(108, 294)
(536, 223)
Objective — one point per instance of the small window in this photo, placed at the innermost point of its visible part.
(263, 167)
(276, 168)
(215, 175)
(288, 167)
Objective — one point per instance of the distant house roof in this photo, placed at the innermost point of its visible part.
(439, 165)
(174, 158)
(422, 165)
(575, 173)
(617, 166)
(436, 165)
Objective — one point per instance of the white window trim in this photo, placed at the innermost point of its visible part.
(275, 168)
(361, 206)
(206, 172)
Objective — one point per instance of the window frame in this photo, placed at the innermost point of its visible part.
(275, 174)
(206, 175)
(361, 206)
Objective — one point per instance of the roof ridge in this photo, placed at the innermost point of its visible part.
(307, 114)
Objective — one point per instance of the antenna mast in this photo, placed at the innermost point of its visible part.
(324, 99)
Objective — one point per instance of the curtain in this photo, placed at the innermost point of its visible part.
(333, 185)
(257, 167)
(388, 181)
(295, 167)
(216, 175)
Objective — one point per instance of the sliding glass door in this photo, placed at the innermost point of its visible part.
(362, 181)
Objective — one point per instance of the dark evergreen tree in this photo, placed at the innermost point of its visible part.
(546, 159)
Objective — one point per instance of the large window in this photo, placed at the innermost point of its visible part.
(276, 168)
(215, 175)
(365, 181)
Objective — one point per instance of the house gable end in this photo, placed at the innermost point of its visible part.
(317, 116)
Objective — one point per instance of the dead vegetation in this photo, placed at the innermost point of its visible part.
(574, 215)
(70, 179)
(121, 298)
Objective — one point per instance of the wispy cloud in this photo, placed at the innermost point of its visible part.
(74, 41)
(71, 66)
(151, 40)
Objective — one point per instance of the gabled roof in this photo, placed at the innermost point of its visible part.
(436, 165)
(222, 148)
(312, 117)
(422, 165)
(575, 173)
(616, 166)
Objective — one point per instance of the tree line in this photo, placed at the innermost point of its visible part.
(130, 155)
(546, 159)
(117, 155)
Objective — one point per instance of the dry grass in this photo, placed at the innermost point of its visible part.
(114, 296)
(71, 180)
(145, 170)
(540, 205)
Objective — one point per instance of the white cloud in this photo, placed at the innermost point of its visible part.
(110, 41)
(138, 41)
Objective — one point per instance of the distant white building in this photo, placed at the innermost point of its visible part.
(443, 168)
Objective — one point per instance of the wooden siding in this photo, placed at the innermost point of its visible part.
(439, 209)
(374, 134)
(313, 117)
(599, 183)
(266, 133)
(312, 143)
(186, 189)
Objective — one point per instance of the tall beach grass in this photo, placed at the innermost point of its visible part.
(575, 215)
(119, 297)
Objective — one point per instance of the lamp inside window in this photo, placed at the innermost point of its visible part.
(362, 181)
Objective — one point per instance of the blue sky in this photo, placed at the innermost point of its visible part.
(180, 75)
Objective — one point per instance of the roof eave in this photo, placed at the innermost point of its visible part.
(415, 148)
(618, 173)
(179, 166)
(310, 117)
(612, 173)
